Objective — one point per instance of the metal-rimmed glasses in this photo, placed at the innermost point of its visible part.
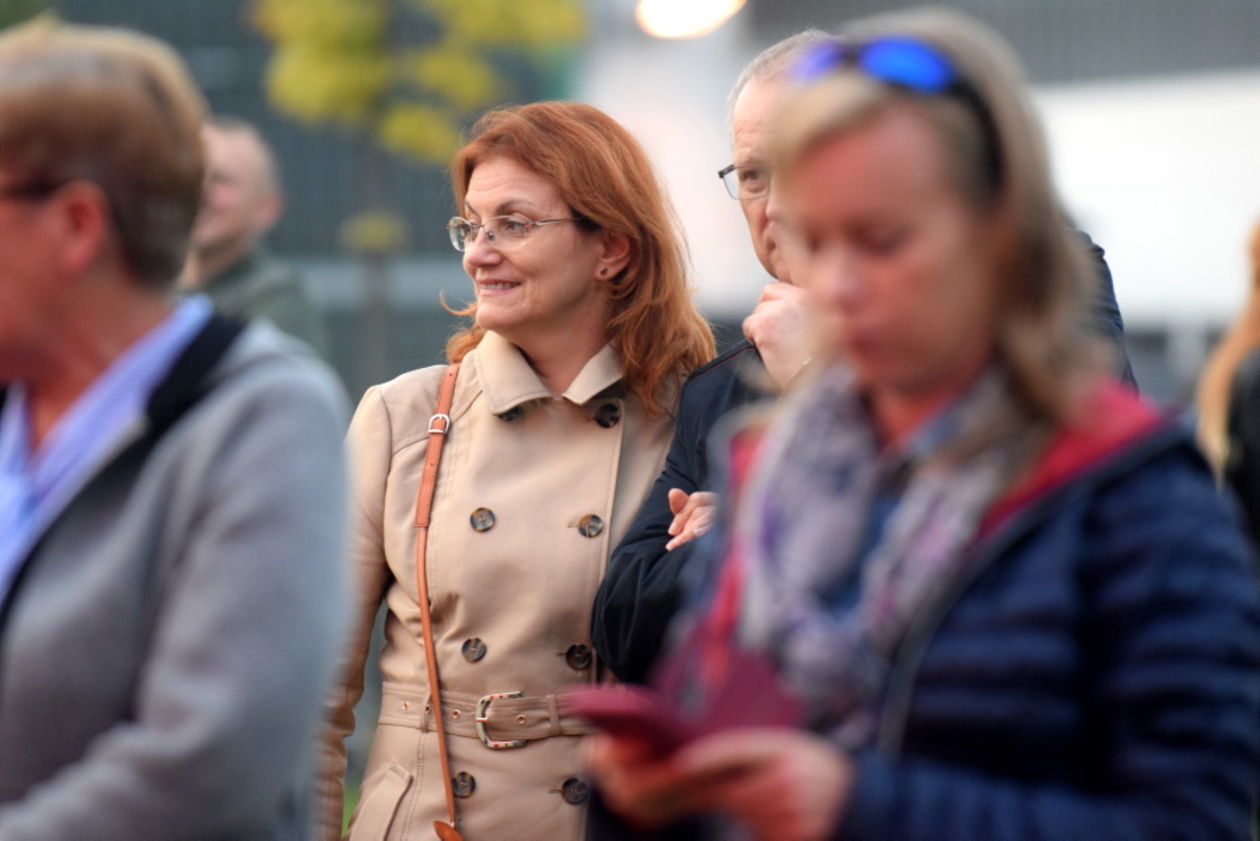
(501, 231)
(908, 63)
(745, 183)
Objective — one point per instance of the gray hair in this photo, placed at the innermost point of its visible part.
(773, 63)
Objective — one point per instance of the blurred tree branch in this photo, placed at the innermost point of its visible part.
(345, 62)
(16, 11)
(405, 76)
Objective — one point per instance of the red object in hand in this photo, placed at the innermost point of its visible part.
(748, 694)
(631, 712)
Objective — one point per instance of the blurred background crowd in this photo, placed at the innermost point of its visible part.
(1153, 119)
(948, 419)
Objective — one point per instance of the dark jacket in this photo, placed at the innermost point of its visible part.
(1097, 676)
(641, 591)
(1091, 673)
(1242, 471)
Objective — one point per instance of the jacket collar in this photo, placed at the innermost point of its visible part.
(509, 381)
(1115, 420)
(189, 378)
(1119, 429)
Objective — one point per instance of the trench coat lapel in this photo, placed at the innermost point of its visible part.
(509, 381)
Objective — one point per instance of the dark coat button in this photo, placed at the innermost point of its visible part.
(473, 649)
(575, 791)
(607, 415)
(511, 414)
(463, 784)
(590, 525)
(482, 519)
(578, 657)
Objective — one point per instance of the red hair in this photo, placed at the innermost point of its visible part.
(605, 177)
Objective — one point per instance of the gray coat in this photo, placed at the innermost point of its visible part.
(165, 648)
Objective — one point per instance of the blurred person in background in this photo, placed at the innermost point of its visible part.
(1003, 587)
(172, 491)
(228, 262)
(1229, 402)
(583, 332)
(643, 587)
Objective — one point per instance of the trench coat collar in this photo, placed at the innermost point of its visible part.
(509, 381)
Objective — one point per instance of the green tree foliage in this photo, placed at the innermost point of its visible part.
(16, 11)
(348, 62)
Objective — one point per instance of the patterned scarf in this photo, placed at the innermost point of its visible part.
(804, 524)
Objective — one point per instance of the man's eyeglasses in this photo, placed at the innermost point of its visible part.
(745, 182)
(502, 231)
(905, 63)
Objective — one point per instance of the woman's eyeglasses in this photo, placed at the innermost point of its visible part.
(501, 231)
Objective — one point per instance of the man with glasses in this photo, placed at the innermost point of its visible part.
(641, 590)
(171, 483)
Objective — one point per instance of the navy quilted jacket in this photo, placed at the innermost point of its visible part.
(1095, 676)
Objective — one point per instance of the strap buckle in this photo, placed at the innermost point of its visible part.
(483, 717)
(440, 416)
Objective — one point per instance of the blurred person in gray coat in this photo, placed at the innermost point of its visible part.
(171, 482)
(227, 260)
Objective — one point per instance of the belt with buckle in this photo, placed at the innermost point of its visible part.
(501, 720)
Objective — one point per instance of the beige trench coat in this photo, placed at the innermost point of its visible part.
(533, 492)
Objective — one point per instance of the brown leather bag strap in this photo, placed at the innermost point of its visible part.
(439, 428)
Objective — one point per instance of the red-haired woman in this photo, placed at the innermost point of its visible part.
(583, 330)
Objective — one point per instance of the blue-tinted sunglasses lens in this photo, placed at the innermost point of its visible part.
(819, 61)
(913, 64)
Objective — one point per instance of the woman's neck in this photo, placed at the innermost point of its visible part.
(558, 362)
(900, 412)
(897, 418)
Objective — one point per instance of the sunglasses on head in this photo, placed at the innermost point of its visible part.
(906, 63)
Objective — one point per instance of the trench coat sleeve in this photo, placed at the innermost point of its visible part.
(1174, 618)
(370, 445)
(244, 647)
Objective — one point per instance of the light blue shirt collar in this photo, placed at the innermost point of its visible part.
(37, 484)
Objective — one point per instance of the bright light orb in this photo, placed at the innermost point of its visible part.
(684, 18)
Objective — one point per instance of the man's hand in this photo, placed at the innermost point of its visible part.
(783, 785)
(693, 515)
(779, 328)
